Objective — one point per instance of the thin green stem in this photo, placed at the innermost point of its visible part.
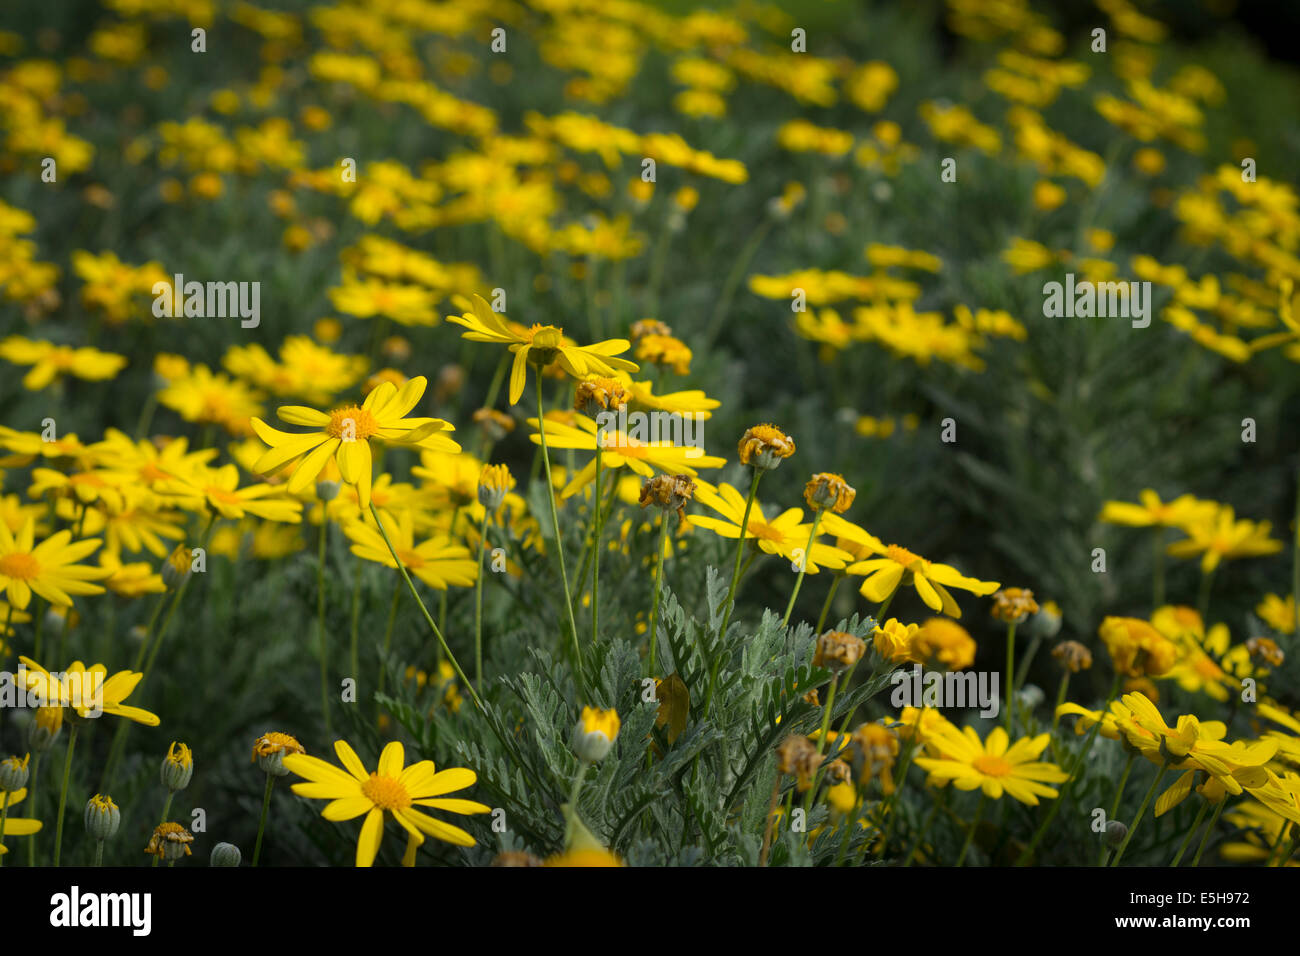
(555, 527)
(1200, 815)
(442, 641)
(320, 623)
(1203, 596)
(658, 587)
(1151, 790)
(1011, 670)
(921, 834)
(478, 601)
(63, 794)
(1196, 861)
(803, 567)
(740, 548)
(729, 286)
(261, 823)
(974, 825)
(354, 659)
(595, 554)
(388, 636)
(830, 596)
(33, 788)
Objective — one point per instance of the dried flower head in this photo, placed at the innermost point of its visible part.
(269, 750)
(495, 425)
(643, 327)
(170, 842)
(797, 755)
(764, 447)
(669, 492)
(838, 771)
(596, 394)
(1074, 657)
(1014, 605)
(1265, 649)
(829, 491)
(838, 650)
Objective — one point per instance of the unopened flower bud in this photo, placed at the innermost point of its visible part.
(595, 733)
(269, 751)
(225, 854)
(13, 773)
(102, 817)
(327, 490)
(44, 728)
(1115, 834)
(494, 482)
(177, 767)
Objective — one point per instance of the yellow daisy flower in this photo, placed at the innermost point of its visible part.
(783, 535)
(345, 433)
(392, 788)
(896, 565)
(990, 765)
(88, 691)
(541, 345)
(49, 568)
(49, 361)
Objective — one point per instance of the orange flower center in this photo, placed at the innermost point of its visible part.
(411, 560)
(991, 766)
(387, 793)
(904, 557)
(19, 565)
(351, 424)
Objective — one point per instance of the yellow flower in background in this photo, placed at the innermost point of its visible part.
(991, 765)
(438, 562)
(217, 490)
(541, 345)
(49, 361)
(1225, 538)
(14, 825)
(1182, 511)
(784, 535)
(50, 568)
(393, 788)
(88, 691)
(618, 448)
(1136, 648)
(1278, 613)
(345, 434)
(897, 566)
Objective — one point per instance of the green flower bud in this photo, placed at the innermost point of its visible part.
(225, 854)
(102, 817)
(327, 490)
(177, 767)
(13, 773)
(1115, 834)
(44, 728)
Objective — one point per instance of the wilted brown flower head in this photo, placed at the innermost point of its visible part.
(1074, 657)
(829, 491)
(595, 395)
(170, 842)
(1013, 605)
(669, 492)
(1265, 649)
(838, 650)
(798, 755)
(764, 447)
(643, 327)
